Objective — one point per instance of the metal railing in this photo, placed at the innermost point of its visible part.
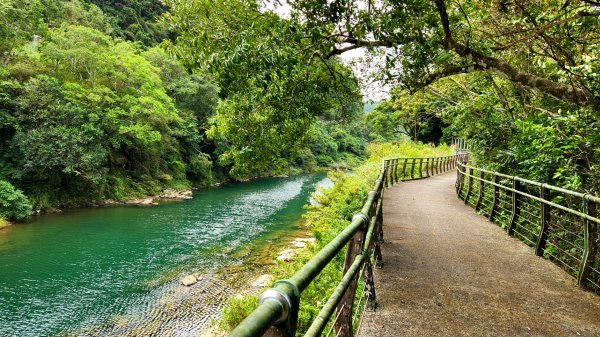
(277, 311)
(560, 224)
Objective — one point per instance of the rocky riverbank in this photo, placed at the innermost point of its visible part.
(152, 200)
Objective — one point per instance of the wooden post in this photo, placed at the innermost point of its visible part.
(516, 207)
(481, 190)
(542, 239)
(369, 282)
(426, 167)
(421, 168)
(412, 169)
(343, 326)
(469, 185)
(590, 235)
(496, 197)
(404, 168)
(379, 239)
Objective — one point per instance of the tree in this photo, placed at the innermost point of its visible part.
(271, 90)
(551, 47)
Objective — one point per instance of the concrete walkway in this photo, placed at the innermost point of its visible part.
(449, 272)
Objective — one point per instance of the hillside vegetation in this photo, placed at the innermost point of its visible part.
(92, 107)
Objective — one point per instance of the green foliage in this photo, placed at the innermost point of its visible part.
(514, 130)
(85, 116)
(134, 20)
(271, 91)
(337, 205)
(549, 46)
(99, 110)
(13, 203)
(236, 310)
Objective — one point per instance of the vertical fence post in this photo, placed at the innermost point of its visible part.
(392, 167)
(496, 197)
(469, 185)
(516, 207)
(481, 190)
(420, 167)
(437, 165)
(460, 179)
(426, 167)
(412, 169)
(542, 239)
(387, 173)
(395, 171)
(590, 236)
(431, 161)
(368, 277)
(343, 326)
(404, 168)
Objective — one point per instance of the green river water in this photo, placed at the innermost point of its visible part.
(114, 271)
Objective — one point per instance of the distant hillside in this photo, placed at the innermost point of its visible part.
(370, 106)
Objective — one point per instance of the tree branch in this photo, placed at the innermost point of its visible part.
(356, 44)
(481, 61)
(545, 27)
(448, 71)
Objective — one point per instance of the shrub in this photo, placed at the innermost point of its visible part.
(14, 205)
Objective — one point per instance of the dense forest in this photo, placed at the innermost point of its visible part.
(108, 100)
(94, 107)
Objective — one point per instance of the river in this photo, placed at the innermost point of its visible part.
(114, 271)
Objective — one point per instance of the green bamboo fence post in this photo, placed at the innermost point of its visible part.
(590, 238)
(481, 190)
(516, 206)
(496, 197)
(469, 185)
(542, 239)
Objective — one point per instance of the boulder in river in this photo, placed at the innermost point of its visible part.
(263, 281)
(146, 201)
(286, 255)
(299, 244)
(170, 193)
(189, 280)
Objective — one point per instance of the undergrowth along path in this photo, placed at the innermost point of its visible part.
(450, 272)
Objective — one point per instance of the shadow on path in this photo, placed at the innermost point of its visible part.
(450, 272)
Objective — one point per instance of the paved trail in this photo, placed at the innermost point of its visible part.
(449, 272)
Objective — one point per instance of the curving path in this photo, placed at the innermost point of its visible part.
(450, 272)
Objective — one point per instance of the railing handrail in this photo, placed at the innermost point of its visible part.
(547, 227)
(279, 305)
(537, 183)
